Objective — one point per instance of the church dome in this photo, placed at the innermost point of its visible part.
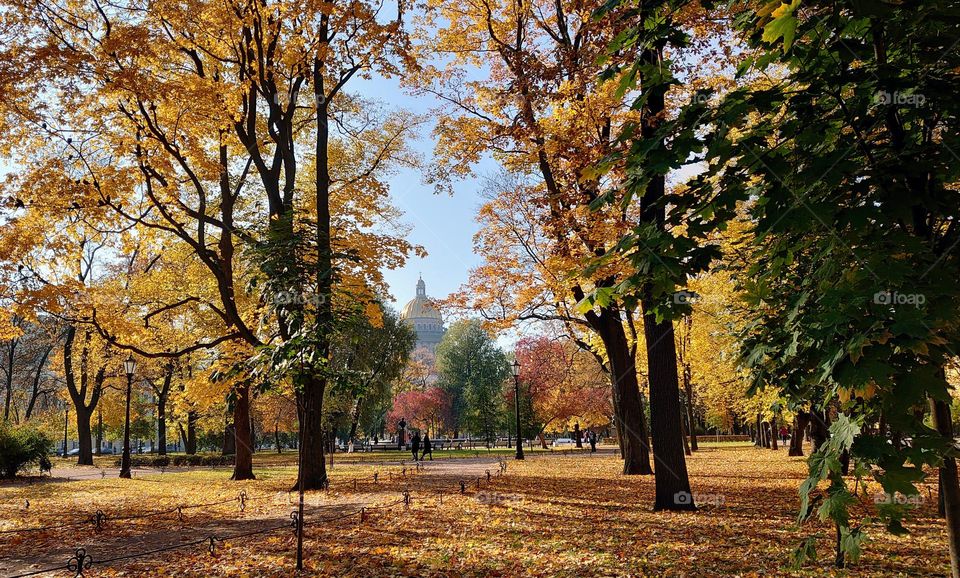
(420, 307)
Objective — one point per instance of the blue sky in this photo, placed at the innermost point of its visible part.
(443, 224)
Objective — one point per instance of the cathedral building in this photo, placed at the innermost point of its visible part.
(421, 314)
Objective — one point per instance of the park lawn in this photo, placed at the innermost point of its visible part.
(269, 457)
(552, 515)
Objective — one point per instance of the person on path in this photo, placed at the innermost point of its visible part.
(427, 447)
(593, 441)
(415, 444)
(784, 432)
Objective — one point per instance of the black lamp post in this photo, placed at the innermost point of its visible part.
(129, 366)
(516, 399)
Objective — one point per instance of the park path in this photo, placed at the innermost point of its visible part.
(269, 510)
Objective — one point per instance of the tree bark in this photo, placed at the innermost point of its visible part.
(313, 470)
(11, 358)
(773, 432)
(163, 394)
(98, 450)
(78, 388)
(161, 426)
(243, 460)
(819, 430)
(631, 420)
(800, 423)
(35, 391)
(683, 432)
(672, 482)
(85, 435)
(355, 422)
(949, 482)
(190, 443)
(688, 388)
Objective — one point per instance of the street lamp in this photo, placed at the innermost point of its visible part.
(516, 399)
(129, 366)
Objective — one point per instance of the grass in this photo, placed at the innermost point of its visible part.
(551, 515)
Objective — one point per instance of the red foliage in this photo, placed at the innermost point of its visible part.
(421, 409)
(563, 383)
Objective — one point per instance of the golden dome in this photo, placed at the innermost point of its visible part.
(420, 307)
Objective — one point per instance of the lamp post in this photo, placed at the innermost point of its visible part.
(516, 399)
(129, 366)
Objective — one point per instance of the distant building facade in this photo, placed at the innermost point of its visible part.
(422, 315)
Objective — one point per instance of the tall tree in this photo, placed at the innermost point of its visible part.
(197, 122)
(545, 114)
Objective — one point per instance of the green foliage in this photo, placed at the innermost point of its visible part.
(838, 153)
(671, 240)
(472, 371)
(21, 446)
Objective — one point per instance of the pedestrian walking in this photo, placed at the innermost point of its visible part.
(427, 447)
(415, 444)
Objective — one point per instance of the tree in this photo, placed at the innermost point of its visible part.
(199, 136)
(369, 356)
(472, 370)
(544, 113)
(420, 409)
(844, 161)
(562, 385)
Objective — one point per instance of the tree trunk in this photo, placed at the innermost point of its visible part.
(626, 391)
(313, 471)
(190, 443)
(162, 425)
(98, 449)
(11, 357)
(683, 432)
(758, 440)
(355, 422)
(243, 460)
(78, 389)
(163, 394)
(672, 483)
(688, 388)
(577, 435)
(949, 483)
(773, 432)
(799, 426)
(819, 430)
(38, 374)
(84, 433)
